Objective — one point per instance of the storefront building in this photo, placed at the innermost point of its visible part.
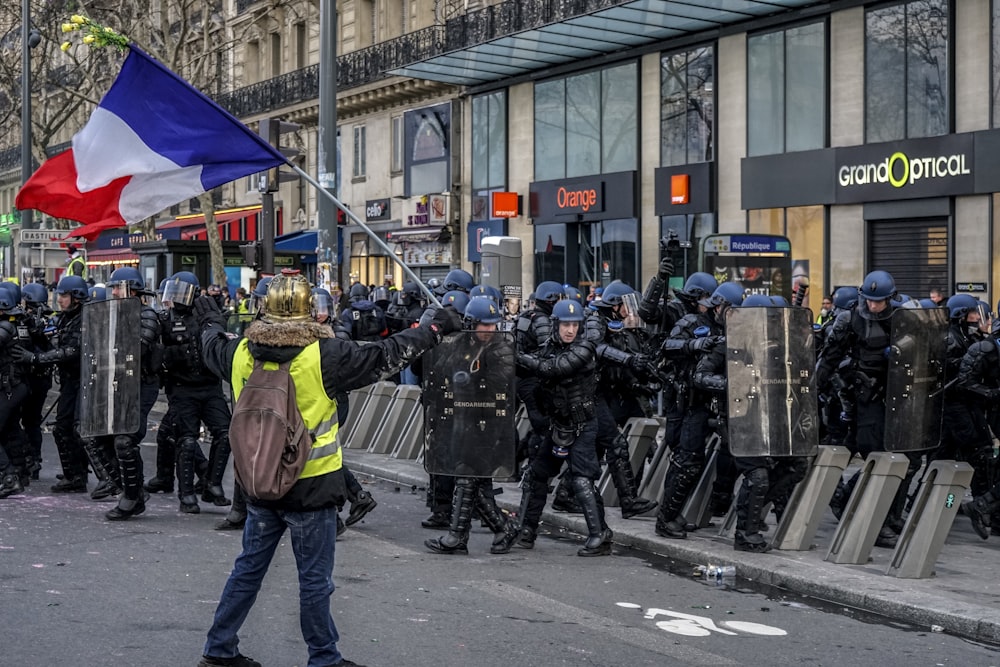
(862, 131)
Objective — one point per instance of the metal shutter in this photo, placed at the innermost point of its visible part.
(915, 252)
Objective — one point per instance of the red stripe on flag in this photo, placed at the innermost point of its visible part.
(52, 189)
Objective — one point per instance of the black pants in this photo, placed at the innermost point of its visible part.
(32, 411)
(71, 453)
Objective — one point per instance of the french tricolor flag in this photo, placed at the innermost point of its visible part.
(152, 142)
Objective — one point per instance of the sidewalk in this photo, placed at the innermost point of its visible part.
(962, 596)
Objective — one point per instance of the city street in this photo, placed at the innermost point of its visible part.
(79, 590)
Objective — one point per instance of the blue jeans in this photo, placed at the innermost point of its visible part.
(314, 537)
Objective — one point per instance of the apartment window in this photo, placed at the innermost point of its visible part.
(301, 45)
(275, 54)
(358, 170)
(587, 123)
(906, 71)
(687, 107)
(489, 141)
(397, 144)
(786, 90)
(251, 63)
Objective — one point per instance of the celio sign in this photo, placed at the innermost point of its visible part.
(900, 170)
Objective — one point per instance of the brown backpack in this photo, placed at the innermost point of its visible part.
(270, 442)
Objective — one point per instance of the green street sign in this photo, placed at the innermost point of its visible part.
(189, 259)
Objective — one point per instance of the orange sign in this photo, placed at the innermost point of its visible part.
(679, 188)
(505, 205)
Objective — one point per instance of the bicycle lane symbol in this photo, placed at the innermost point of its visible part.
(690, 625)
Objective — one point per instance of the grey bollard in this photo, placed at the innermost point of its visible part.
(411, 440)
(651, 486)
(358, 400)
(697, 510)
(404, 402)
(867, 508)
(927, 526)
(640, 433)
(799, 524)
(373, 415)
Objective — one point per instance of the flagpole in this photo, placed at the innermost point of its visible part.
(374, 237)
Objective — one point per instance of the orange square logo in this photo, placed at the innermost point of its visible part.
(505, 205)
(679, 188)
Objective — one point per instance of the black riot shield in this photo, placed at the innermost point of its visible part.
(110, 359)
(770, 357)
(468, 397)
(914, 395)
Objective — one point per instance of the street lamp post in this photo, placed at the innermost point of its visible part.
(30, 38)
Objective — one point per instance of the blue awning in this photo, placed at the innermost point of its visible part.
(512, 38)
(303, 242)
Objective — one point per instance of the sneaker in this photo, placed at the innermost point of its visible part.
(237, 661)
(360, 507)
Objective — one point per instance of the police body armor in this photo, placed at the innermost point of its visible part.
(770, 357)
(468, 397)
(182, 363)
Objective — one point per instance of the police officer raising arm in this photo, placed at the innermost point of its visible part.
(321, 367)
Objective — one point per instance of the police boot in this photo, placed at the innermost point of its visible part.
(185, 476)
(676, 486)
(361, 504)
(598, 542)
(218, 459)
(237, 516)
(534, 491)
(843, 493)
(720, 502)
(624, 481)
(980, 512)
(564, 500)
(132, 501)
(457, 539)
(166, 455)
(749, 510)
(105, 466)
(10, 484)
(74, 478)
(202, 469)
(504, 530)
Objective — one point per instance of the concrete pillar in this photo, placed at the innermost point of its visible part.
(521, 171)
(847, 78)
(731, 123)
(649, 160)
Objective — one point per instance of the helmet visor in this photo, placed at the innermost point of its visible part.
(178, 292)
(322, 307)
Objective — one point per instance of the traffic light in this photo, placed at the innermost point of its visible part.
(251, 254)
(341, 217)
(271, 130)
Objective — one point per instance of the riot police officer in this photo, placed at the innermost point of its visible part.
(13, 443)
(483, 352)
(457, 280)
(71, 294)
(566, 368)
(692, 336)
(406, 311)
(194, 395)
(39, 378)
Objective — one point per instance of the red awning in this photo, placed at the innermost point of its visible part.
(111, 256)
(221, 217)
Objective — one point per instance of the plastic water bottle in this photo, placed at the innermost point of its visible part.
(720, 574)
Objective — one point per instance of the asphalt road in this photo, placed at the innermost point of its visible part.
(78, 590)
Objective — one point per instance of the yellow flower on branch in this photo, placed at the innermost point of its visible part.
(89, 39)
(77, 19)
(69, 27)
(95, 35)
(65, 46)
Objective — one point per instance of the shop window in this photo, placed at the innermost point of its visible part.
(805, 227)
(489, 141)
(690, 230)
(907, 59)
(550, 253)
(587, 123)
(687, 107)
(786, 90)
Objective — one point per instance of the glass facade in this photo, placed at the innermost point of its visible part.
(489, 141)
(687, 107)
(907, 58)
(588, 254)
(690, 229)
(805, 227)
(587, 123)
(787, 90)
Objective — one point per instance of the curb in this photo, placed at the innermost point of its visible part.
(856, 586)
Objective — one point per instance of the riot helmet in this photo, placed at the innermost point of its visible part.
(410, 294)
(380, 296)
(128, 278)
(726, 294)
(322, 304)
(459, 300)
(546, 294)
(7, 303)
(434, 284)
(480, 310)
(877, 286)
(488, 291)
(98, 294)
(180, 289)
(75, 286)
(35, 295)
(359, 292)
(258, 295)
(698, 286)
(573, 293)
(458, 280)
(778, 300)
(758, 301)
(289, 298)
(14, 288)
(845, 298)
(961, 305)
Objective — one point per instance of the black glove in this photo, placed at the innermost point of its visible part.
(527, 361)
(703, 344)
(21, 355)
(638, 363)
(206, 309)
(666, 269)
(447, 320)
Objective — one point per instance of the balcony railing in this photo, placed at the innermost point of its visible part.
(281, 91)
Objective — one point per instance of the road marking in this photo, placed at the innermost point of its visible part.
(637, 637)
(701, 626)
